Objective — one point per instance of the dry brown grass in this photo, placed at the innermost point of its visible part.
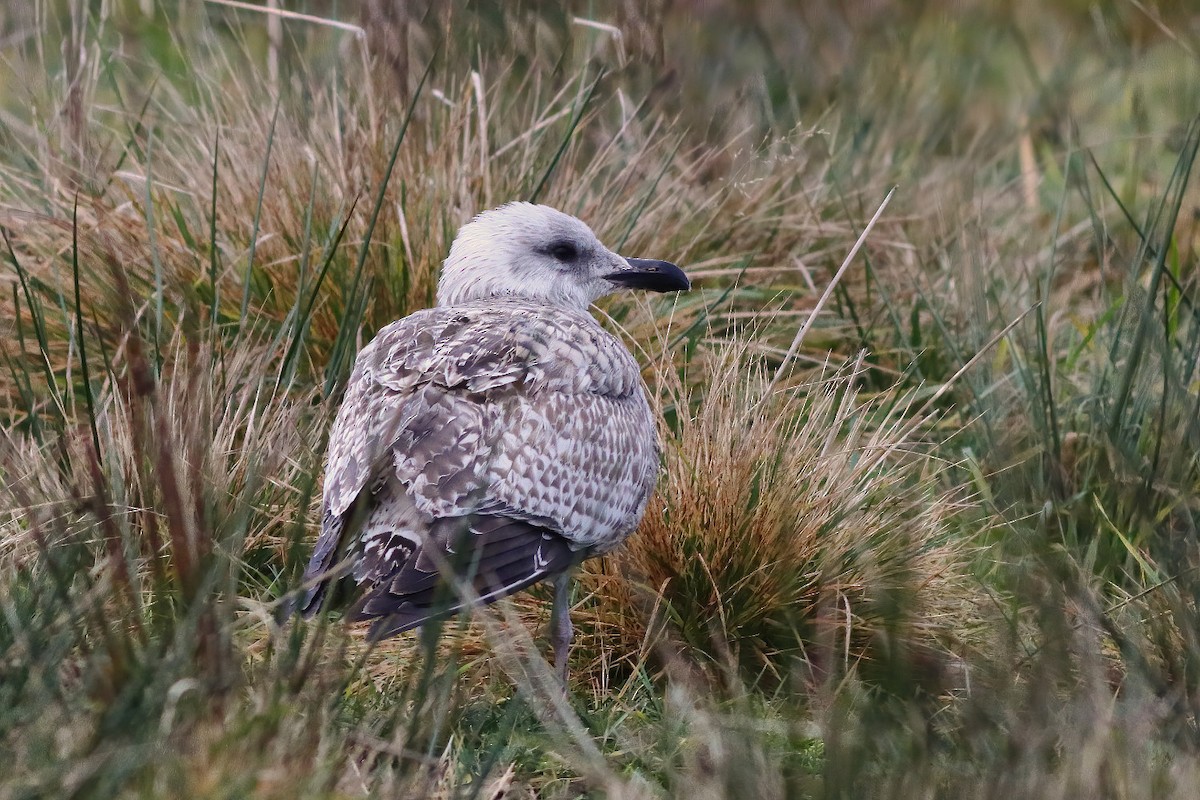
(843, 585)
(794, 533)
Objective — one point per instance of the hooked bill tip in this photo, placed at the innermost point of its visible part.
(652, 275)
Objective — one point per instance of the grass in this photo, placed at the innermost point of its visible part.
(946, 546)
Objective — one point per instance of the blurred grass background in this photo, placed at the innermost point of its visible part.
(945, 547)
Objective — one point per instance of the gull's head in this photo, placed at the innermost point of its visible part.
(537, 253)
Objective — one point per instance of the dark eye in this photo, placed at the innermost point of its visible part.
(564, 251)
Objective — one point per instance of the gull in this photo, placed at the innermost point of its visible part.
(493, 441)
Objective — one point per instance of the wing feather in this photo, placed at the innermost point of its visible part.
(527, 428)
(502, 556)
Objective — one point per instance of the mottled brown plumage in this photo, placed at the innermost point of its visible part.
(503, 434)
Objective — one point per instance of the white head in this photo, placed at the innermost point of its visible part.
(541, 254)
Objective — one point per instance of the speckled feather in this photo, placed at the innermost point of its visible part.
(517, 430)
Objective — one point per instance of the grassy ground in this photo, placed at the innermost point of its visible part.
(944, 544)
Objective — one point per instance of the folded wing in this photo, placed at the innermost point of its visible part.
(498, 445)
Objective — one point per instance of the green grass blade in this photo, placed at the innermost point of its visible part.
(354, 306)
(1173, 197)
(81, 334)
(248, 277)
(156, 259)
(576, 118)
(288, 366)
(39, 328)
(214, 261)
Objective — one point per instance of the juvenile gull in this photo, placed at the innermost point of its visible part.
(502, 435)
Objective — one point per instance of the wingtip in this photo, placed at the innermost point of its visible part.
(313, 600)
(397, 623)
(288, 609)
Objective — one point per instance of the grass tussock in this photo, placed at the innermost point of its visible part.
(796, 533)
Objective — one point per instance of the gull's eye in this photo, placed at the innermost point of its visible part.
(564, 251)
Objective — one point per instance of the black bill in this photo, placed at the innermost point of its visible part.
(655, 276)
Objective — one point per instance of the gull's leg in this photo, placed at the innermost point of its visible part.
(561, 630)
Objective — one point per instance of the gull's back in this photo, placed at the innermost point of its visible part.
(510, 435)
